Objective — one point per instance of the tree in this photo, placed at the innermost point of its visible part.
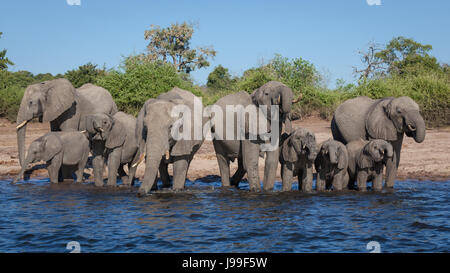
(172, 45)
(373, 65)
(87, 73)
(405, 56)
(220, 79)
(4, 61)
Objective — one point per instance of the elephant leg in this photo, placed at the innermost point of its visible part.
(224, 168)
(378, 181)
(306, 178)
(113, 166)
(122, 174)
(53, 168)
(320, 181)
(362, 180)
(337, 183)
(98, 148)
(392, 164)
(80, 169)
(180, 168)
(287, 175)
(250, 156)
(345, 179)
(239, 174)
(164, 174)
(270, 169)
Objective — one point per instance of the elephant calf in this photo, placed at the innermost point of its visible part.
(331, 166)
(57, 149)
(366, 161)
(298, 152)
(118, 134)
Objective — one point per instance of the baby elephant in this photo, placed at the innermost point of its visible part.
(57, 149)
(331, 166)
(298, 152)
(366, 161)
(118, 132)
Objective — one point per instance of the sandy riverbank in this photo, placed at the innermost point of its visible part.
(429, 160)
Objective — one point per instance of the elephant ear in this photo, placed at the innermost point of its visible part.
(182, 147)
(57, 98)
(288, 124)
(116, 136)
(342, 157)
(378, 123)
(364, 160)
(319, 159)
(288, 151)
(51, 146)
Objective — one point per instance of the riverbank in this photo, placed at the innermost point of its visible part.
(429, 160)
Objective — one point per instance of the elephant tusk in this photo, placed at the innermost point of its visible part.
(167, 155)
(304, 146)
(101, 130)
(298, 99)
(84, 131)
(22, 124)
(141, 158)
(411, 128)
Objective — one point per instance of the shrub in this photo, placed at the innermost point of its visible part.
(138, 81)
(10, 98)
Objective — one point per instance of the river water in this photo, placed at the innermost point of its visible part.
(39, 217)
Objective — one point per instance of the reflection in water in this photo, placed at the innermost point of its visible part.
(38, 216)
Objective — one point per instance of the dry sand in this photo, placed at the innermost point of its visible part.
(429, 160)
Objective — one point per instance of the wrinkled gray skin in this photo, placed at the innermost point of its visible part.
(66, 108)
(57, 149)
(388, 118)
(247, 151)
(298, 152)
(153, 131)
(118, 133)
(366, 161)
(331, 165)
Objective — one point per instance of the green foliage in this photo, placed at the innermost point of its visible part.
(10, 98)
(138, 81)
(87, 73)
(172, 45)
(4, 61)
(253, 78)
(406, 56)
(220, 79)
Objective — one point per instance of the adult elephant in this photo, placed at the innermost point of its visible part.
(160, 141)
(387, 118)
(66, 108)
(246, 150)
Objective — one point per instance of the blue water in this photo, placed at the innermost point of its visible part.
(39, 217)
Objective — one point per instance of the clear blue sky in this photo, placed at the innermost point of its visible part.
(52, 36)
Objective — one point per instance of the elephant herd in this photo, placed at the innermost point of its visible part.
(367, 138)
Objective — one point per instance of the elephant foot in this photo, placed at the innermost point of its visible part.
(142, 193)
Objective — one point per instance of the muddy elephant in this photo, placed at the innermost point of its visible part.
(366, 161)
(58, 102)
(388, 118)
(160, 137)
(298, 152)
(58, 149)
(118, 132)
(331, 166)
(247, 150)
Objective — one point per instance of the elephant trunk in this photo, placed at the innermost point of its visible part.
(333, 155)
(25, 164)
(157, 145)
(21, 132)
(286, 100)
(388, 150)
(312, 153)
(416, 126)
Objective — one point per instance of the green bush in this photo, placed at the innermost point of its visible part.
(138, 81)
(10, 98)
